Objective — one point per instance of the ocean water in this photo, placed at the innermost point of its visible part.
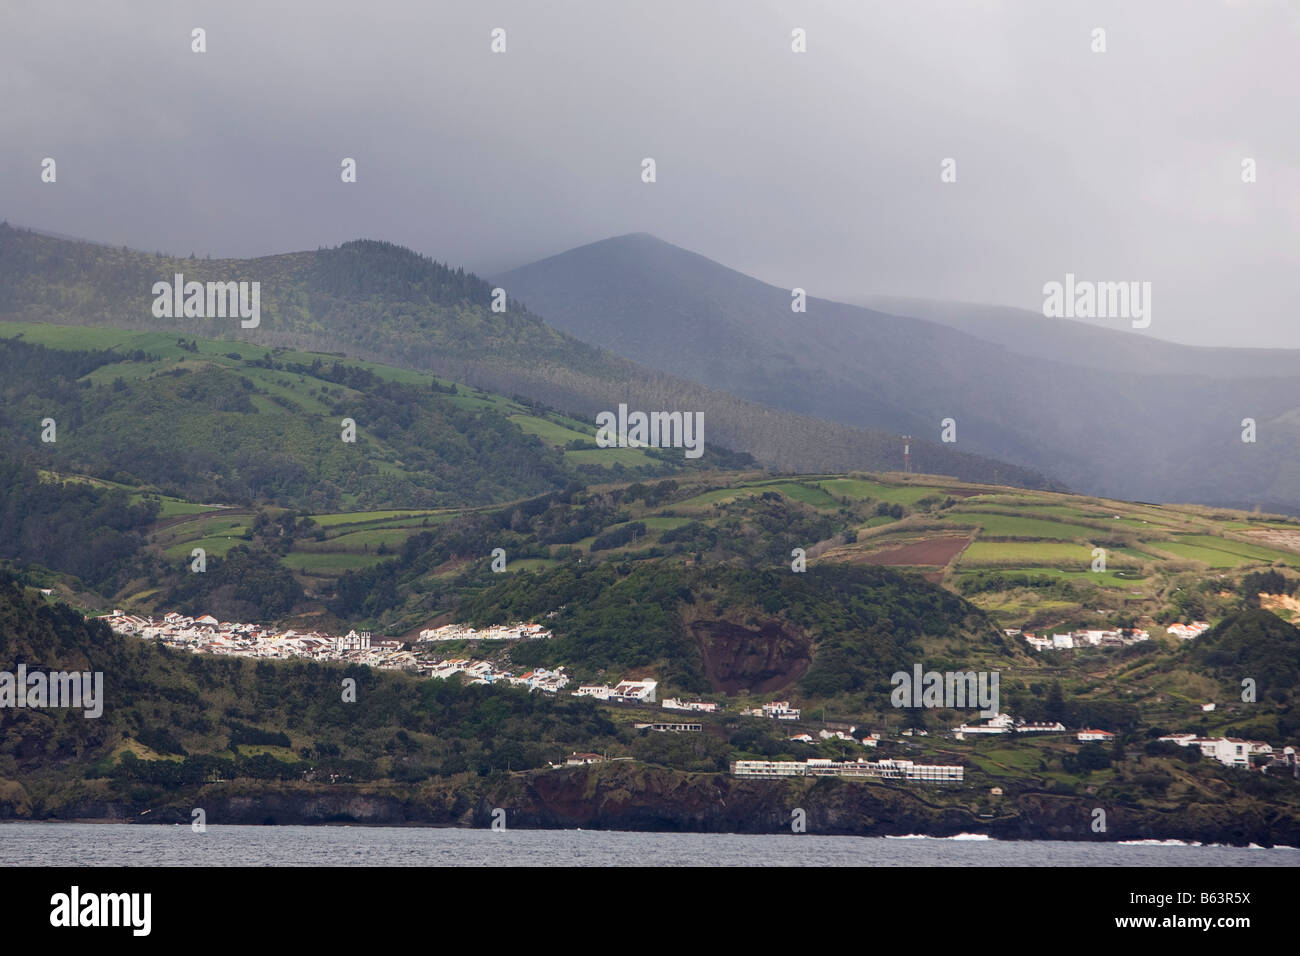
(103, 844)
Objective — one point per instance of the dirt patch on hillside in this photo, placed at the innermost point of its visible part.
(1279, 602)
(932, 552)
(452, 564)
(761, 659)
(1283, 538)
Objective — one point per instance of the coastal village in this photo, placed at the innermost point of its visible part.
(207, 635)
(1121, 637)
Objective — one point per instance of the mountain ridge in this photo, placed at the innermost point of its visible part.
(381, 302)
(1146, 430)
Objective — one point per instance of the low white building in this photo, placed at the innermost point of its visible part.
(702, 706)
(674, 727)
(1094, 736)
(635, 691)
(820, 767)
(1230, 751)
(1000, 724)
(1041, 728)
(781, 710)
(1187, 632)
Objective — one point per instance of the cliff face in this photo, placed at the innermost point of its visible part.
(637, 797)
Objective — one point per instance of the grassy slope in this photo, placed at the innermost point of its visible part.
(292, 415)
(384, 303)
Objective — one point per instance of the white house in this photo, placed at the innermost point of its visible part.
(1187, 632)
(704, 707)
(1230, 751)
(1000, 724)
(635, 691)
(1094, 736)
(781, 710)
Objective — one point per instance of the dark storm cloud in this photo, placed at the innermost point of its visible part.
(819, 170)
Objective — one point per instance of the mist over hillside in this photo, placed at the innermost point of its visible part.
(375, 300)
(1106, 412)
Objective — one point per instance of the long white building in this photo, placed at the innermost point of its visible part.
(885, 769)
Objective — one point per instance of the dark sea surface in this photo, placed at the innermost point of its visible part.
(102, 844)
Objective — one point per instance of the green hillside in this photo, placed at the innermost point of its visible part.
(198, 419)
(737, 586)
(1059, 397)
(381, 302)
(278, 740)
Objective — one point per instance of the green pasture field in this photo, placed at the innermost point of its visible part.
(1107, 578)
(214, 544)
(551, 432)
(329, 562)
(1006, 554)
(370, 517)
(358, 541)
(663, 523)
(1006, 526)
(858, 488)
(208, 524)
(808, 494)
(1223, 552)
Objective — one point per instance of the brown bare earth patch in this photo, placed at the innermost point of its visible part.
(932, 552)
(452, 564)
(1284, 538)
(762, 659)
(1279, 602)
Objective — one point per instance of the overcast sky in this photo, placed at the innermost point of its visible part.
(820, 170)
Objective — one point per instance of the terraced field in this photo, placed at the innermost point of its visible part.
(1220, 552)
(968, 537)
